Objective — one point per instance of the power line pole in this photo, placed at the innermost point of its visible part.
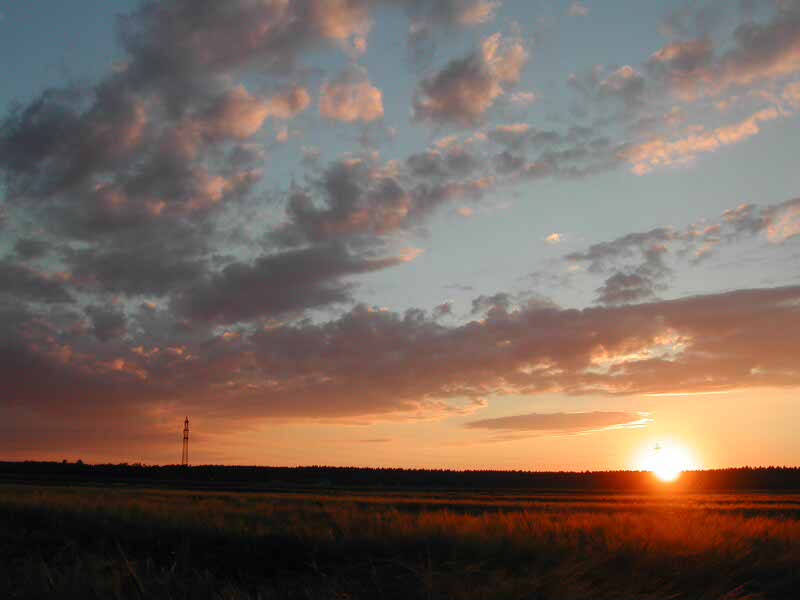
(185, 453)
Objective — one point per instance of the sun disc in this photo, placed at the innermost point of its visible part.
(667, 462)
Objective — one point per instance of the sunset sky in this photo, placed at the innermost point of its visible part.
(518, 234)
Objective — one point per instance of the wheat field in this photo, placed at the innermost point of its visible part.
(75, 542)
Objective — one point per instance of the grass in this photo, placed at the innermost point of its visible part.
(60, 542)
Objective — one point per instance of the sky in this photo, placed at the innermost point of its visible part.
(407, 233)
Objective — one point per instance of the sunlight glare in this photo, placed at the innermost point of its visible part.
(667, 461)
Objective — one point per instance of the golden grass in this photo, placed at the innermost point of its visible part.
(449, 545)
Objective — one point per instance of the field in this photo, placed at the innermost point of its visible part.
(132, 542)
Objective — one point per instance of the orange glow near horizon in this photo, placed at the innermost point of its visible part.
(666, 461)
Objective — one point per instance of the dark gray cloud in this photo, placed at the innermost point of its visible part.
(108, 322)
(517, 135)
(624, 288)
(277, 284)
(145, 270)
(621, 89)
(360, 201)
(577, 152)
(636, 264)
(356, 200)
(55, 144)
(499, 302)
(636, 282)
(450, 162)
(599, 256)
(31, 248)
(25, 283)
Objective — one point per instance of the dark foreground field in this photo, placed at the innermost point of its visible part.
(122, 542)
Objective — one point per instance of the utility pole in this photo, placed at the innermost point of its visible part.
(185, 453)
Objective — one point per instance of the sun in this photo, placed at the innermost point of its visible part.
(667, 461)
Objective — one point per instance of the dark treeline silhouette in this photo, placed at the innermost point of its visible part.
(258, 478)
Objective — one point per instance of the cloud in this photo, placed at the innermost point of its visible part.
(467, 87)
(31, 248)
(357, 199)
(780, 222)
(624, 288)
(572, 154)
(190, 41)
(553, 238)
(625, 83)
(443, 15)
(276, 284)
(661, 151)
(358, 364)
(513, 135)
(499, 302)
(450, 13)
(623, 87)
(561, 422)
(681, 64)
(108, 323)
(601, 255)
(636, 264)
(523, 98)
(451, 162)
(791, 94)
(49, 146)
(151, 270)
(138, 168)
(576, 9)
(699, 19)
(143, 272)
(239, 115)
(351, 97)
(759, 51)
(442, 310)
(25, 283)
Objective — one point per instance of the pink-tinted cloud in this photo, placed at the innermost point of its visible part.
(351, 97)
(523, 98)
(760, 51)
(577, 9)
(236, 115)
(662, 151)
(359, 363)
(466, 88)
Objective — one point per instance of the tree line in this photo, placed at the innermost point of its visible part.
(255, 477)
